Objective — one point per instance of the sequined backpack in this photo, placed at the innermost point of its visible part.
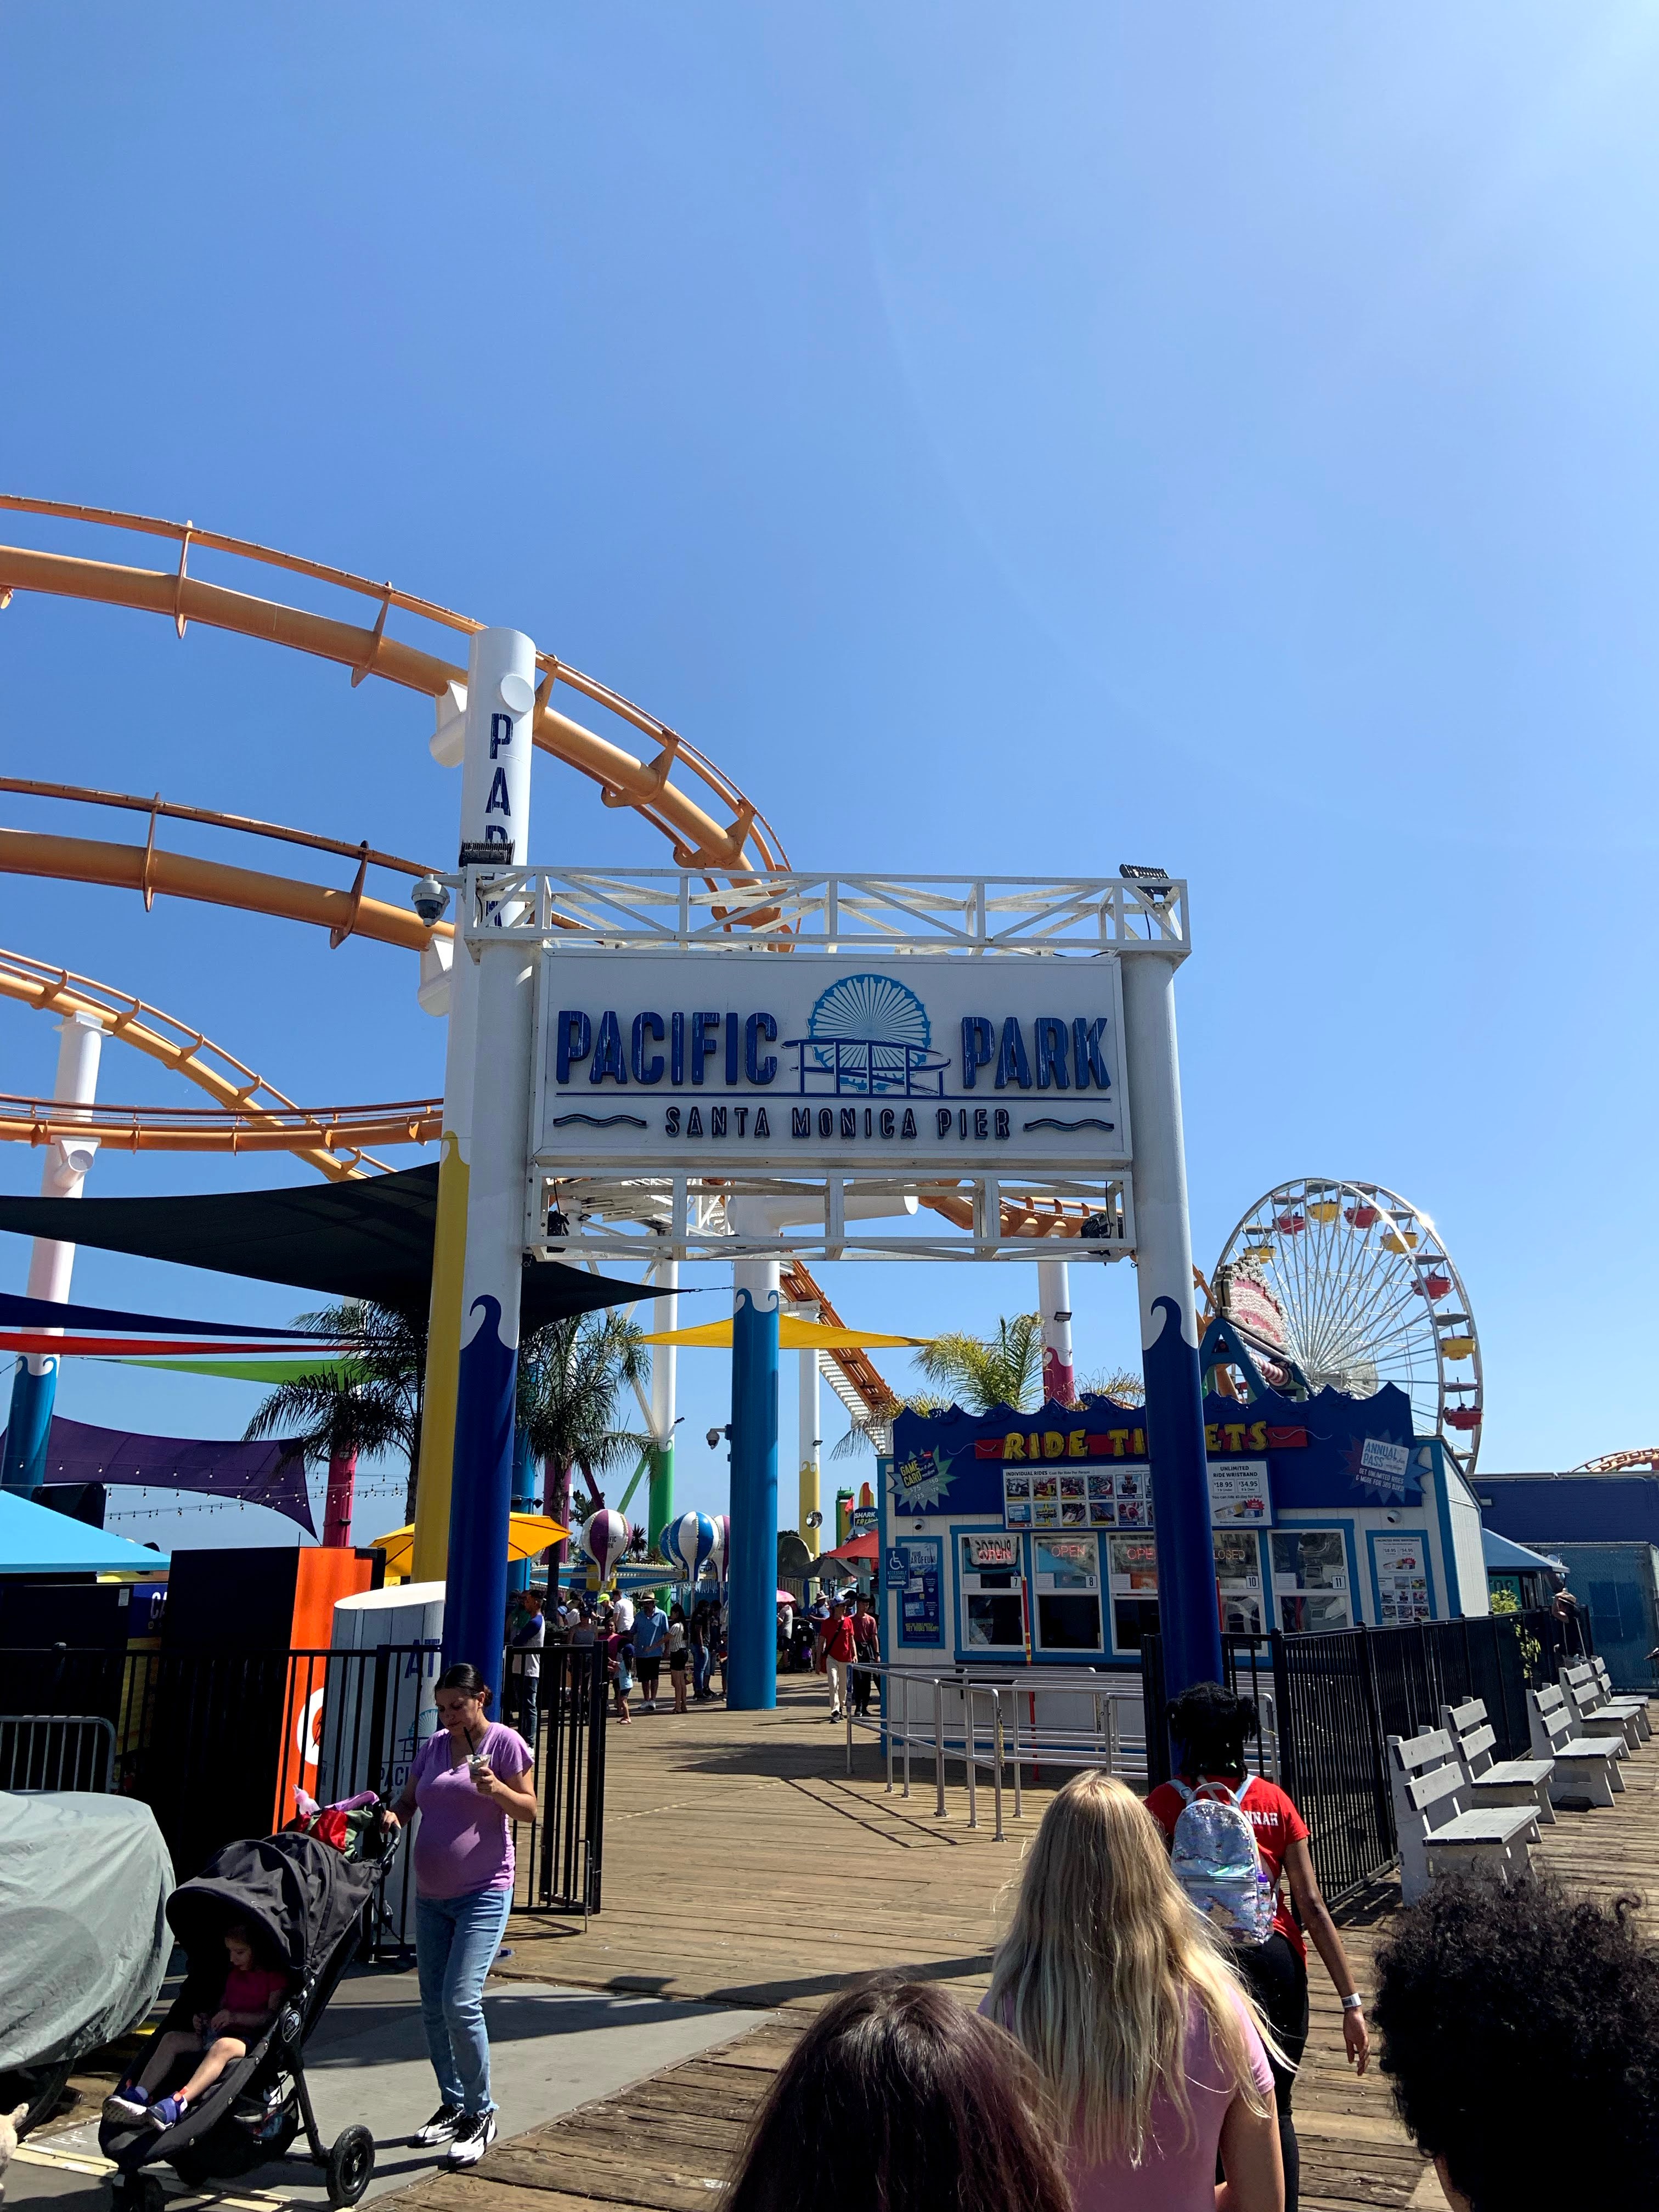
(1216, 1860)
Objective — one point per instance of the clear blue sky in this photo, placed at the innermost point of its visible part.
(1006, 440)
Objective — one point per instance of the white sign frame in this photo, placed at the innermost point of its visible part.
(980, 1196)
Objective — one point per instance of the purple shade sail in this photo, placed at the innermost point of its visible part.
(271, 1474)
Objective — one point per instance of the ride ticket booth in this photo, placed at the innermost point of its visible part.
(1030, 1539)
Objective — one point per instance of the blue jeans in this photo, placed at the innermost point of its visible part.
(701, 1661)
(456, 1940)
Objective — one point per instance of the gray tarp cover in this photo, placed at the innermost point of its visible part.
(84, 1939)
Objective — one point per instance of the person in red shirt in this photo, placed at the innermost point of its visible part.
(1209, 1726)
(839, 1646)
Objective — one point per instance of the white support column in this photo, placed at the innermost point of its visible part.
(51, 1264)
(812, 1446)
(492, 1181)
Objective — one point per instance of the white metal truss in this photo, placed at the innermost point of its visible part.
(652, 909)
(684, 1217)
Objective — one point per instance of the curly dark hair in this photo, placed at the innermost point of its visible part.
(898, 2099)
(1519, 2028)
(1209, 1725)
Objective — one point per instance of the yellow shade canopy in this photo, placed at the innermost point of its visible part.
(793, 1335)
(527, 1534)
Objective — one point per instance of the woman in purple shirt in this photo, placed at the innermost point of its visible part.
(468, 1782)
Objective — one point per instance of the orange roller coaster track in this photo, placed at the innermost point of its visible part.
(697, 838)
(335, 1129)
(259, 1105)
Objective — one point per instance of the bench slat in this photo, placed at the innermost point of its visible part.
(1514, 1770)
(1487, 1827)
(1429, 1789)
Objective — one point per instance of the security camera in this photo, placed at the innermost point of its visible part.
(815, 1520)
(429, 899)
(714, 1438)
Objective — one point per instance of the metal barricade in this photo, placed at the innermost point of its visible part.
(57, 1751)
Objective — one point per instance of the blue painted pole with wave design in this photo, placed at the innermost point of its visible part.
(1187, 1613)
(752, 1579)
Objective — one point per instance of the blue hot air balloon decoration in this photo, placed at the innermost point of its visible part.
(690, 1539)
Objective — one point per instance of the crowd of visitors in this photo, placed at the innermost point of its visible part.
(638, 1641)
(839, 1638)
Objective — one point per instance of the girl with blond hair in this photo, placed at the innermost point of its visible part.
(1150, 2046)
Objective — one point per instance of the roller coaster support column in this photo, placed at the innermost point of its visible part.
(35, 1384)
(664, 1376)
(811, 1444)
(1169, 1329)
(495, 822)
(752, 1584)
(1054, 1297)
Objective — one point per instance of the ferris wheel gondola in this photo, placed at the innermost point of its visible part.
(1336, 1285)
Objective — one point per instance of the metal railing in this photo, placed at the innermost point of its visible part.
(1003, 1721)
(57, 1751)
(218, 1743)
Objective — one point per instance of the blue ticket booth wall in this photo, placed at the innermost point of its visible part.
(1029, 1538)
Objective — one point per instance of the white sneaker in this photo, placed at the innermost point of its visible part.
(441, 2127)
(474, 2133)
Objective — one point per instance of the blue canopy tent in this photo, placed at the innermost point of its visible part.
(35, 1541)
(1504, 1557)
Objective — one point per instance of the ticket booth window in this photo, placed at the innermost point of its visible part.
(1134, 1590)
(1066, 1591)
(1238, 1578)
(992, 1594)
(1310, 1580)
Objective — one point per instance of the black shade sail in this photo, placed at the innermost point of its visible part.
(371, 1238)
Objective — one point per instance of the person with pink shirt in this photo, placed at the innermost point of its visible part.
(1154, 2054)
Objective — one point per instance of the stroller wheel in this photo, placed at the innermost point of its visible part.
(140, 2192)
(350, 2166)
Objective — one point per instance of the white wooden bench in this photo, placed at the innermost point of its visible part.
(1495, 1781)
(1634, 1708)
(1437, 1832)
(1586, 1766)
(1591, 1715)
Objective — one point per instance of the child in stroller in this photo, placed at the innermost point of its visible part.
(252, 1993)
(287, 1912)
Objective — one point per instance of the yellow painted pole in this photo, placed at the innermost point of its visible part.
(443, 1357)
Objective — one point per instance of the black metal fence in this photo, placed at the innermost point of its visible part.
(218, 1743)
(1337, 1698)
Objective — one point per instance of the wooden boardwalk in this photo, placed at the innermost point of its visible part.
(742, 1863)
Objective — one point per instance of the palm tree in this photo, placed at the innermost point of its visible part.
(571, 1374)
(370, 1403)
(981, 1372)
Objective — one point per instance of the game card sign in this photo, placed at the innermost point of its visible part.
(1049, 1498)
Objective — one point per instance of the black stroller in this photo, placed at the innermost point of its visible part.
(309, 1903)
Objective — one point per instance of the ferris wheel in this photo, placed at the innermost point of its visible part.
(1345, 1286)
